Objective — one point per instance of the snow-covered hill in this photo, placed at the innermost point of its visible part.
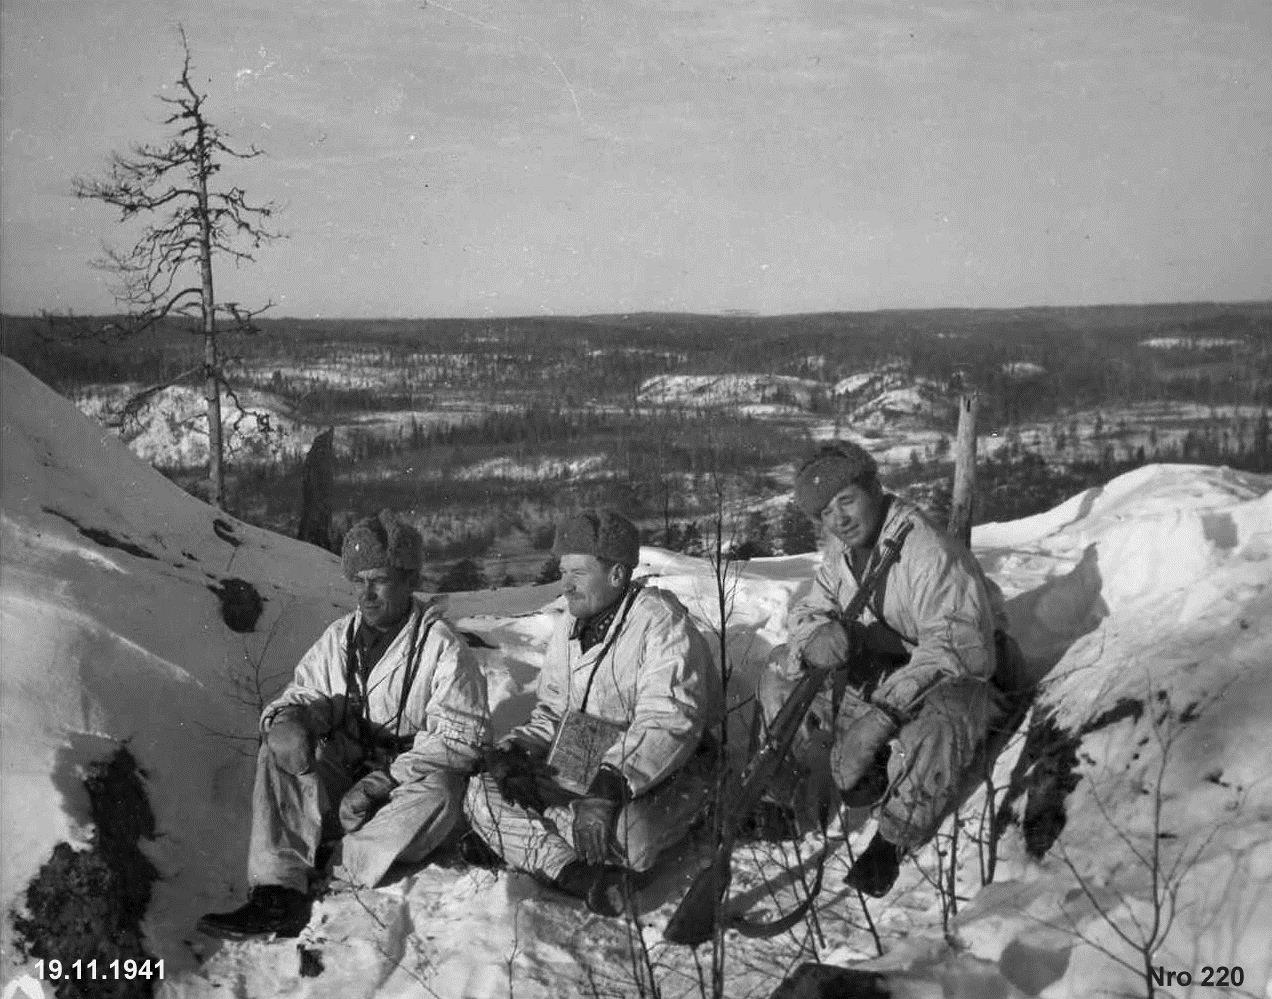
(170, 429)
(113, 629)
(1147, 601)
(733, 390)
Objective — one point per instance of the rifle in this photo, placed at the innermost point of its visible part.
(694, 920)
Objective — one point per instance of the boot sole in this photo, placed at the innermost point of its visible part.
(228, 933)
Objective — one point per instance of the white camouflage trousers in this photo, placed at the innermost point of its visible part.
(542, 843)
(292, 815)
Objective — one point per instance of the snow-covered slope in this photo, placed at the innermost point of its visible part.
(111, 631)
(1153, 591)
(1155, 595)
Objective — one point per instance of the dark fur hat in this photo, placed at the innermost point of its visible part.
(379, 543)
(832, 469)
(602, 533)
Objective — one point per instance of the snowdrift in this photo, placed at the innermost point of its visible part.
(128, 614)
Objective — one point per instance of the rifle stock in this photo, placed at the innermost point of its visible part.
(694, 920)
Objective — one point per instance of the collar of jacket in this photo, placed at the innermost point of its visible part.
(371, 643)
(615, 615)
(592, 630)
(405, 632)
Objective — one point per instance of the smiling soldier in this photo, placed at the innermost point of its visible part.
(613, 764)
(914, 700)
(374, 739)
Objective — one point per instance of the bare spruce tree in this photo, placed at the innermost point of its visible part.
(190, 225)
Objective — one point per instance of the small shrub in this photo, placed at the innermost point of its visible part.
(464, 575)
(551, 571)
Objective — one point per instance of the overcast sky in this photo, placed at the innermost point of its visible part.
(475, 158)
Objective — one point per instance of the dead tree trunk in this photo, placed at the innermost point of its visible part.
(195, 222)
(964, 492)
(316, 488)
(211, 362)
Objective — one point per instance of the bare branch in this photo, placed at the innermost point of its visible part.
(192, 226)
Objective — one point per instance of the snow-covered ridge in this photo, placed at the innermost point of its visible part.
(544, 468)
(1191, 342)
(1023, 369)
(729, 390)
(170, 429)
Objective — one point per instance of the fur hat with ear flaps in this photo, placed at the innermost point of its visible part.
(602, 533)
(381, 542)
(831, 470)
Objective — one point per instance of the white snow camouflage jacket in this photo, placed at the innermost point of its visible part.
(446, 709)
(935, 597)
(652, 673)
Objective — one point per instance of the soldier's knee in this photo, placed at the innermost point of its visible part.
(639, 852)
(908, 820)
(774, 682)
(479, 799)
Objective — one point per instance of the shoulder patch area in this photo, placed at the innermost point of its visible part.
(660, 603)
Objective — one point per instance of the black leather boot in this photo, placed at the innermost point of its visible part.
(876, 870)
(270, 909)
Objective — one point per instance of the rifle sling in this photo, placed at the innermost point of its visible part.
(764, 929)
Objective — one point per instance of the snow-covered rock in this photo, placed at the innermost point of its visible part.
(169, 428)
(888, 399)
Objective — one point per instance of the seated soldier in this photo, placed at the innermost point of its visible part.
(374, 738)
(908, 724)
(615, 761)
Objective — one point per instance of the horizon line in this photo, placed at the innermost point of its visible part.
(743, 314)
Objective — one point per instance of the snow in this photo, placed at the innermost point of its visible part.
(916, 404)
(544, 468)
(1154, 588)
(874, 380)
(726, 390)
(1191, 342)
(171, 430)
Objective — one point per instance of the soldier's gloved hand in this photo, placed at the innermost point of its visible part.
(362, 800)
(290, 741)
(515, 774)
(828, 647)
(595, 815)
(862, 730)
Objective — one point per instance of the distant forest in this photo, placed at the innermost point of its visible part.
(558, 398)
(1091, 356)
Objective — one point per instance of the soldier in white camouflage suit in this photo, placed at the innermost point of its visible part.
(907, 727)
(625, 661)
(373, 740)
